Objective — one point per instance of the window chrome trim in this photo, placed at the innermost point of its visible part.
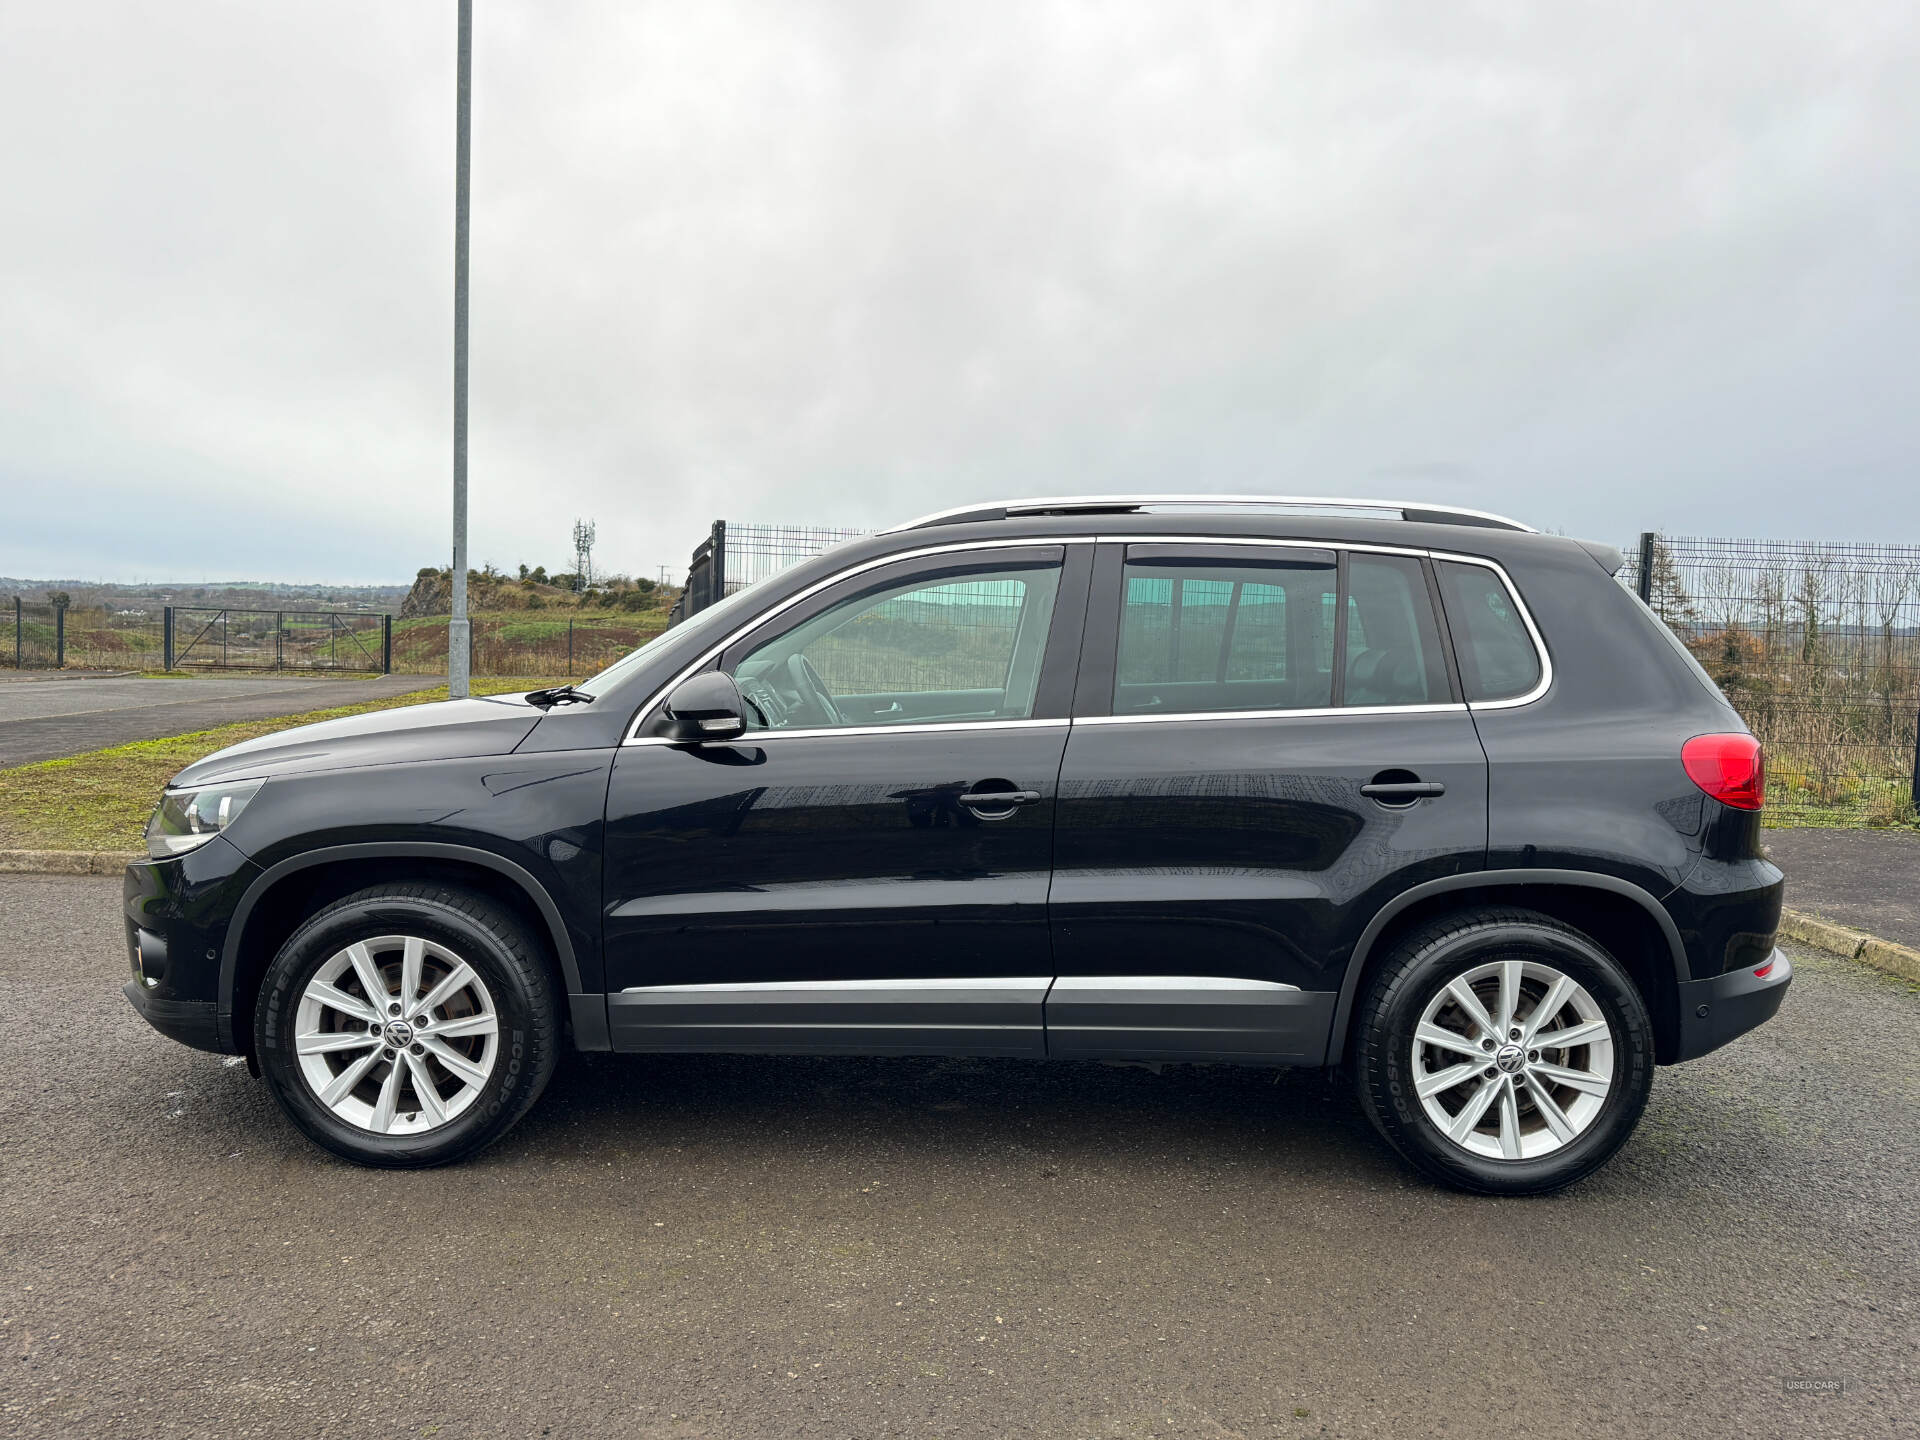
(754, 737)
(1545, 683)
(1075, 984)
(654, 701)
(1329, 712)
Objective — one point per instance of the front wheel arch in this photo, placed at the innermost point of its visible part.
(292, 889)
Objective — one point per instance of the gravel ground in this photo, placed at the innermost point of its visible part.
(785, 1247)
(45, 719)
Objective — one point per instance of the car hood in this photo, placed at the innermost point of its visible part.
(445, 730)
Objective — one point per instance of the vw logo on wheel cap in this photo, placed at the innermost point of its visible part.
(1510, 1058)
(399, 1034)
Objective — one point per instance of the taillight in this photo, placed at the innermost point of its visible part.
(1728, 767)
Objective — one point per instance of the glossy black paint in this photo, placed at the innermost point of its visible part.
(1236, 848)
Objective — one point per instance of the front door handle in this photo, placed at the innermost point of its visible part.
(999, 799)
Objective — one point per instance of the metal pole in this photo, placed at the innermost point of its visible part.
(459, 630)
(279, 639)
(59, 637)
(16, 632)
(386, 644)
(717, 587)
(166, 638)
(1643, 582)
(1916, 757)
(569, 647)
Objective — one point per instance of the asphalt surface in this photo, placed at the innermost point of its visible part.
(1869, 879)
(722, 1246)
(45, 719)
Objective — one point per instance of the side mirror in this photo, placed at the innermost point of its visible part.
(707, 707)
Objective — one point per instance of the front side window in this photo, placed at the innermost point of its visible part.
(956, 647)
(1496, 655)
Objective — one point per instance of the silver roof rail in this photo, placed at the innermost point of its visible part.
(1414, 510)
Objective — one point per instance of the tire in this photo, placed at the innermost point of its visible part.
(426, 1094)
(1531, 1133)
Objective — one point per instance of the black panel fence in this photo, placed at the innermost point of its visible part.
(1817, 644)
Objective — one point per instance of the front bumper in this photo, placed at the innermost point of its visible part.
(1716, 1010)
(191, 1022)
(176, 913)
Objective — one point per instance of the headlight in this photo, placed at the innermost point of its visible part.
(191, 817)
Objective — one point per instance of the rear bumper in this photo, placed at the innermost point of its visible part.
(1718, 1009)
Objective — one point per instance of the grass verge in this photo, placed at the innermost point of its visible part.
(101, 800)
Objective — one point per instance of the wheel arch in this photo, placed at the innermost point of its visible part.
(292, 888)
(1627, 920)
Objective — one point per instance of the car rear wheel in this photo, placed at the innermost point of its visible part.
(1504, 1053)
(407, 1025)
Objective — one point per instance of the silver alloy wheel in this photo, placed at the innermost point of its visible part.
(396, 1035)
(1512, 1060)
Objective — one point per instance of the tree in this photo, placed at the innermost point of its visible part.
(59, 599)
(583, 538)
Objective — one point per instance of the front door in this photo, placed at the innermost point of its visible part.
(866, 870)
(1268, 741)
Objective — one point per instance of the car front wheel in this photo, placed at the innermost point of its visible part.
(1503, 1053)
(407, 1025)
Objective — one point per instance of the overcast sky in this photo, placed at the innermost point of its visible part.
(1602, 267)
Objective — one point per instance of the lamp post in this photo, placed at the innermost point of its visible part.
(459, 628)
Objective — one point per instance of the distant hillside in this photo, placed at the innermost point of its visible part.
(494, 590)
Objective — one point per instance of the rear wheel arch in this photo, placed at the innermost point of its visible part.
(295, 888)
(1618, 915)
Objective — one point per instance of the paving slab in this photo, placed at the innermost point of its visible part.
(54, 717)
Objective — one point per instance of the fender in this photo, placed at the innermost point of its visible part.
(327, 855)
(1476, 879)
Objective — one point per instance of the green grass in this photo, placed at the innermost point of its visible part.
(101, 800)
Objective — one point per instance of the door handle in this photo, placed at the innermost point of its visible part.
(999, 799)
(1401, 792)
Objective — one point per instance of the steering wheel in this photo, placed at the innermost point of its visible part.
(813, 690)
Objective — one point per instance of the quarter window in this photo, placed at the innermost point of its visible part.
(1490, 640)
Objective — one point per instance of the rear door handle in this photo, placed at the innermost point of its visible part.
(999, 799)
(1401, 792)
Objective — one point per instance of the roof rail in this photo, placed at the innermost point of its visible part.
(1133, 504)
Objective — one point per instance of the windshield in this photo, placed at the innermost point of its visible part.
(710, 618)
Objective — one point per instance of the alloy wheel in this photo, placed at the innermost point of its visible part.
(396, 1035)
(1513, 1060)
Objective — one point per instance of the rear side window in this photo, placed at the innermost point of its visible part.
(1490, 640)
(1199, 635)
(1393, 643)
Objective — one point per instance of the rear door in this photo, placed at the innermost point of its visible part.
(1268, 743)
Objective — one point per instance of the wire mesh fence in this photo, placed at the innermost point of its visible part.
(737, 554)
(208, 638)
(1817, 644)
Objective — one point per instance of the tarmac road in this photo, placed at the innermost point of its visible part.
(44, 718)
(785, 1247)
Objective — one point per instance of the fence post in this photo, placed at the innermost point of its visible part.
(569, 647)
(1916, 756)
(386, 644)
(1644, 581)
(59, 637)
(279, 637)
(166, 638)
(16, 632)
(717, 576)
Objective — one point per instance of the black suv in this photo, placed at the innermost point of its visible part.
(1406, 789)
